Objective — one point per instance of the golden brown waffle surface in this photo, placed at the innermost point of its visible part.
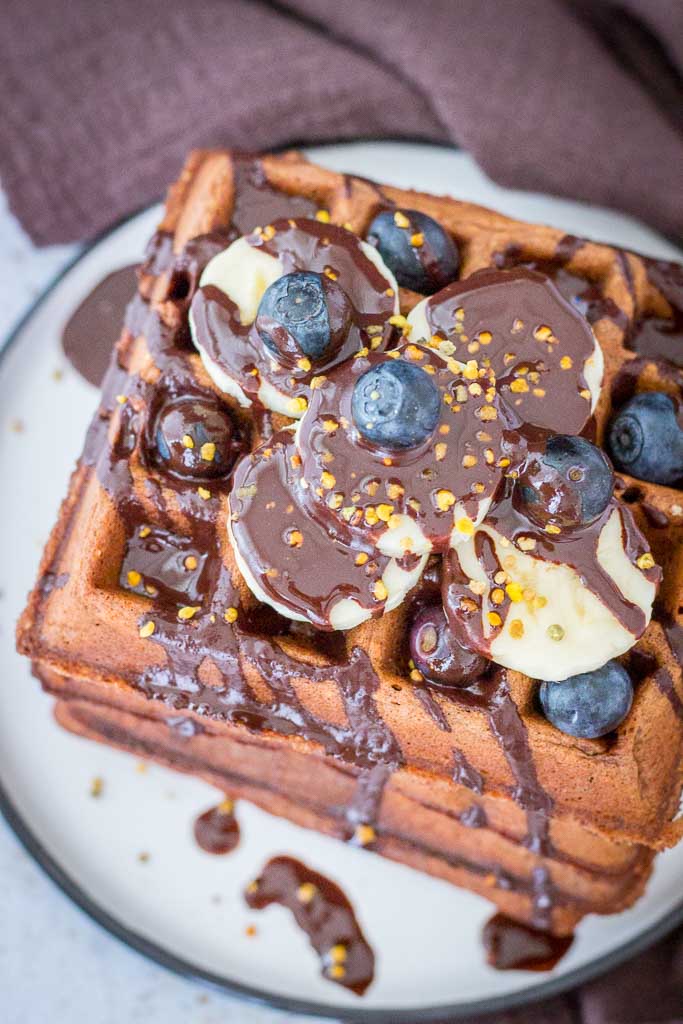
(474, 785)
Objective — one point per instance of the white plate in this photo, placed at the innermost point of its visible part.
(184, 907)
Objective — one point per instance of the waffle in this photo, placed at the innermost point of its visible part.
(328, 729)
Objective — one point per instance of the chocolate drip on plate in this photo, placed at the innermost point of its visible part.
(511, 946)
(94, 327)
(324, 913)
(217, 830)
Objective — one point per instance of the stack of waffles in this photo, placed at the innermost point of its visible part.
(144, 628)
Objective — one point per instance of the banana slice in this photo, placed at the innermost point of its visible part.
(547, 360)
(291, 562)
(232, 286)
(543, 617)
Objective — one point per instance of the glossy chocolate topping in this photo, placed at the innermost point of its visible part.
(196, 437)
(188, 266)
(664, 681)
(358, 487)
(257, 202)
(337, 314)
(291, 557)
(301, 244)
(220, 630)
(324, 913)
(586, 296)
(465, 775)
(537, 349)
(158, 256)
(436, 654)
(512, 356)
(657, 336)
(164, 565)
(94, 328)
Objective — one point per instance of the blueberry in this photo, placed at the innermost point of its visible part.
(646, 439)
(395, 405)
(196, 438)
(437, 654)
(591, 704)
(569, 484)
(303, 314)
(425, 267)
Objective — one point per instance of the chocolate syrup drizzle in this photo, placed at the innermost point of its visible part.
(324, 913)
(465, 774)
(665, 683)
(208, 661)
(585, 295)
(652, 335)
(481, 421)
(492, 697)
(366, 740)
(626, 382)
(656, 336)
(257, 202)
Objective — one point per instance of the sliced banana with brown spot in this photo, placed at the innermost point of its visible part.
(540, 617)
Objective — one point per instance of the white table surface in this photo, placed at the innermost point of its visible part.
(57, 966)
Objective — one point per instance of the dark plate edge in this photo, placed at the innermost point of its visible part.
(71, 888)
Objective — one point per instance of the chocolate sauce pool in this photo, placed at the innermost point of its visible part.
(94, 328)
(324, 913)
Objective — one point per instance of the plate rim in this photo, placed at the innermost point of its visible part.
(156, 952)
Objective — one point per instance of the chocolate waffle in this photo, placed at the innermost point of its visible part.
(142, 626)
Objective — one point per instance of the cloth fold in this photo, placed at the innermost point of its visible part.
(101, 101)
